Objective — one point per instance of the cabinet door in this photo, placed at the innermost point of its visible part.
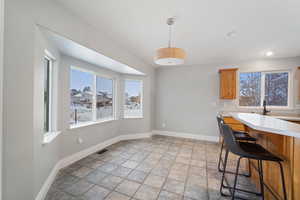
(228, 84)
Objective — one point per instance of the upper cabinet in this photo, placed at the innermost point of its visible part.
(228, 83)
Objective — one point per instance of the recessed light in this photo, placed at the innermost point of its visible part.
(269, 53)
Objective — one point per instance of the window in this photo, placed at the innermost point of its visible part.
(250, 89)
(133, 107)
(92, 97)
(81, 96)
(104, 98)
(47, 93)
(255, 87)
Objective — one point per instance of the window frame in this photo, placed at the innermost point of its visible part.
(142, 98)
(94, 98)
(50, 94)
(262, 89)
(113, 98)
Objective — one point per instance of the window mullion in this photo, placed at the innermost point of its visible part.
(263, 81)
(94, 110)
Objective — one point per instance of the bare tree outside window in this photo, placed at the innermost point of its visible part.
(274, 84)
(250, 89)
(276, 88)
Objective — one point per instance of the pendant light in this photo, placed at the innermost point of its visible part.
(170, 55)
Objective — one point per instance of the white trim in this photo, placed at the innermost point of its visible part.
(47, 184)
(50, 136)
(84, 124)
(187, 135)
(1, 87)
(79, 155)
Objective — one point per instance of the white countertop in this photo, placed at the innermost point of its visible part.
(288, 117)
(268, 124)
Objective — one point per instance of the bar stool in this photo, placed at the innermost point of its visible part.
(249, 151)
(240, 136)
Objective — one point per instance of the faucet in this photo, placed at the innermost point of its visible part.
(265, 111)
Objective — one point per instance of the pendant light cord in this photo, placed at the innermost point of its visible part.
(170, 35)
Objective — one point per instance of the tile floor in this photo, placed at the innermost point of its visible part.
(159, 168)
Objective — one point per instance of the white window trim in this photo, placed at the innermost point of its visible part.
(142, 99)
(94, 106)
(49, 136)
(50, 124)
(263, 73)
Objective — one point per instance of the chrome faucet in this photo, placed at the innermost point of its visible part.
(265, 111)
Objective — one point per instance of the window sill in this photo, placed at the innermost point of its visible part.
(268, 108)
(133, 117)
(50, 136)
(84, 124)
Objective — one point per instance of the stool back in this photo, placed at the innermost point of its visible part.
(220, 122)
(230, 141)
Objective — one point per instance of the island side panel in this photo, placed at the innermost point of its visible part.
(296, 175)
(282, 146)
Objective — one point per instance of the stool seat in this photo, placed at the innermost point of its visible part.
(256, 151)
(239, 135)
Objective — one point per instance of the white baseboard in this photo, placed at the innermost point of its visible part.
(136, 136)
(84, 153)
(47, 184)
(187, 135)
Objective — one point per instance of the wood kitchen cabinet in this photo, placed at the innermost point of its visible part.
(228, 83)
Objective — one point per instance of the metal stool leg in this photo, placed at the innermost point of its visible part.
(261, 178)
(283, 182)
(223, 175)
(220, 156)
(236, 176)
(249, 168)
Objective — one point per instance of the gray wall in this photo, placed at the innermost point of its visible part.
(27, 163)
(187, 98)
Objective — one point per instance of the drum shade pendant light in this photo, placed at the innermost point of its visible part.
(170, 55)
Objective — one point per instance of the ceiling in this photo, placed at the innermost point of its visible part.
(74, 49)
(201, 27)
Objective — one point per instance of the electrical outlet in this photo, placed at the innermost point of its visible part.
(163, 125)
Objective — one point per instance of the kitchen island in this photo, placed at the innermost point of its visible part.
(280, 137)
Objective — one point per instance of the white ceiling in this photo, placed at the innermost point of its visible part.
(201, 26)
(71, 48)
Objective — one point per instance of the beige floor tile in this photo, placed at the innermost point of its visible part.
(96, 193)
(130, 164)
(165, 195)
(146, 192)
(110, 182)
(117, 196)
(174, 186)
(154, 180)
(128, 187)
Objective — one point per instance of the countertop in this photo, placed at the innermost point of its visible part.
(288, 117)
(268, 124)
